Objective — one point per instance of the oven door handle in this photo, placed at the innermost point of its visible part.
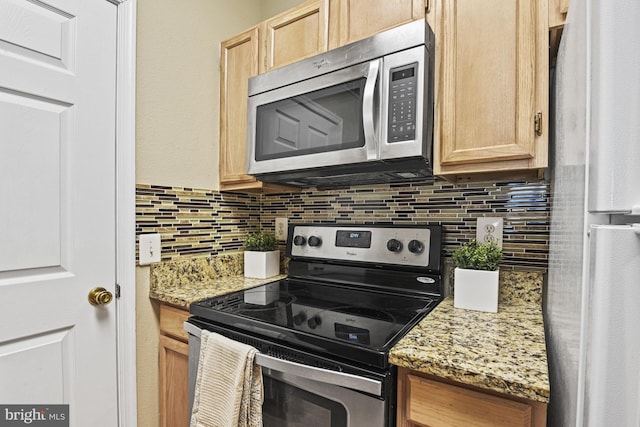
(355, 382)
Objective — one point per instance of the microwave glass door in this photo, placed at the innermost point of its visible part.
(328, 119)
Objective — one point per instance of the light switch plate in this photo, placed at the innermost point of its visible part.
(149, 249)
(281, 228)
(489, 229)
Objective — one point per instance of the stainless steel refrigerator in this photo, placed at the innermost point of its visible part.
(592, 298)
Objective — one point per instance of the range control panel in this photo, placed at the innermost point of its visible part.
(410, 246)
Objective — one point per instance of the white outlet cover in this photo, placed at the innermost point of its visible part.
(149, 249)
(282, 225)
(489, 229)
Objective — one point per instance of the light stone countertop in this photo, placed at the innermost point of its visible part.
(183, 296)
(182, 282)
(503, 351)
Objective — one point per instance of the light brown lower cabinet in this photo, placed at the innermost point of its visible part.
(174, 368)
(425, 400)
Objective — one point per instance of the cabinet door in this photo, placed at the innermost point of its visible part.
(239, 58)
(353, 20)
(423, 400)
(172, 322)
(491, 83)
(174, 383)
(436, 404)
(558, 12)
(296, 34)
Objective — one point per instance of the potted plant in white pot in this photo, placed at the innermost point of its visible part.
(476, 276)
(261, 259)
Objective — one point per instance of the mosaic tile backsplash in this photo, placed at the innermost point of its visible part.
(199, 222)
(194, 222)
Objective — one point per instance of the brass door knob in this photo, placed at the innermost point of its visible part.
(100, 296)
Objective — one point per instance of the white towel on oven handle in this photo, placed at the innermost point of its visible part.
(229, 389)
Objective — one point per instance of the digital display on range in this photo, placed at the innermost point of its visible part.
(353, 239)
(353, 334)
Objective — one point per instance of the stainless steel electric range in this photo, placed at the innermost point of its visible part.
(324, 333)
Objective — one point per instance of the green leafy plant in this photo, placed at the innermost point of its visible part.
(260, 242)
(478, 256)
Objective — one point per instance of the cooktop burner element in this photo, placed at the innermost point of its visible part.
(352, 292)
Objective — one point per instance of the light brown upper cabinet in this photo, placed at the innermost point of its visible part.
(491, 88)
(239, 59)
(296, 34)
(558, 12)
(352, 20)
(293, 35)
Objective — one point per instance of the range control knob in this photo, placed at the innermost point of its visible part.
(299, 318)
(299, 240)
(315, 241)
(314, 322)
(416, 247)
(394, 245)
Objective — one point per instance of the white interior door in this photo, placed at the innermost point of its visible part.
(57, 206)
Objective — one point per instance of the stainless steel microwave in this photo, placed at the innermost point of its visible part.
(361, 113)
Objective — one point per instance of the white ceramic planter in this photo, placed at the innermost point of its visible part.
(476, 289)
(261, 265)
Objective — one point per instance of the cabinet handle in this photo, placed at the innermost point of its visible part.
(537, 123)
(265, 56)
(427, 7)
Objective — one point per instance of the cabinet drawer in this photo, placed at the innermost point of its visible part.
(437, 405)
(171, 322)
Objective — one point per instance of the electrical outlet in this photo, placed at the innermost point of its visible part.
(489, 229)
(281, 228)
(149, 249)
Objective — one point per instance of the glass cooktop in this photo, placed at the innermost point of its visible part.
(355, 323)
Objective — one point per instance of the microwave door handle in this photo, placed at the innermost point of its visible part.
(368, 110)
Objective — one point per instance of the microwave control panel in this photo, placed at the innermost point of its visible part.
(403, 82)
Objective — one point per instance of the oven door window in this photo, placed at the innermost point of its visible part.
(288, 406)
(325, 120)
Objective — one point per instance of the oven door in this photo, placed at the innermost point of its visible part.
(300, 395)
(327, 120)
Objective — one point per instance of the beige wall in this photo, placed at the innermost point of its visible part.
(147, 345)
(178, 87)
(273, 7)
(178, 47)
